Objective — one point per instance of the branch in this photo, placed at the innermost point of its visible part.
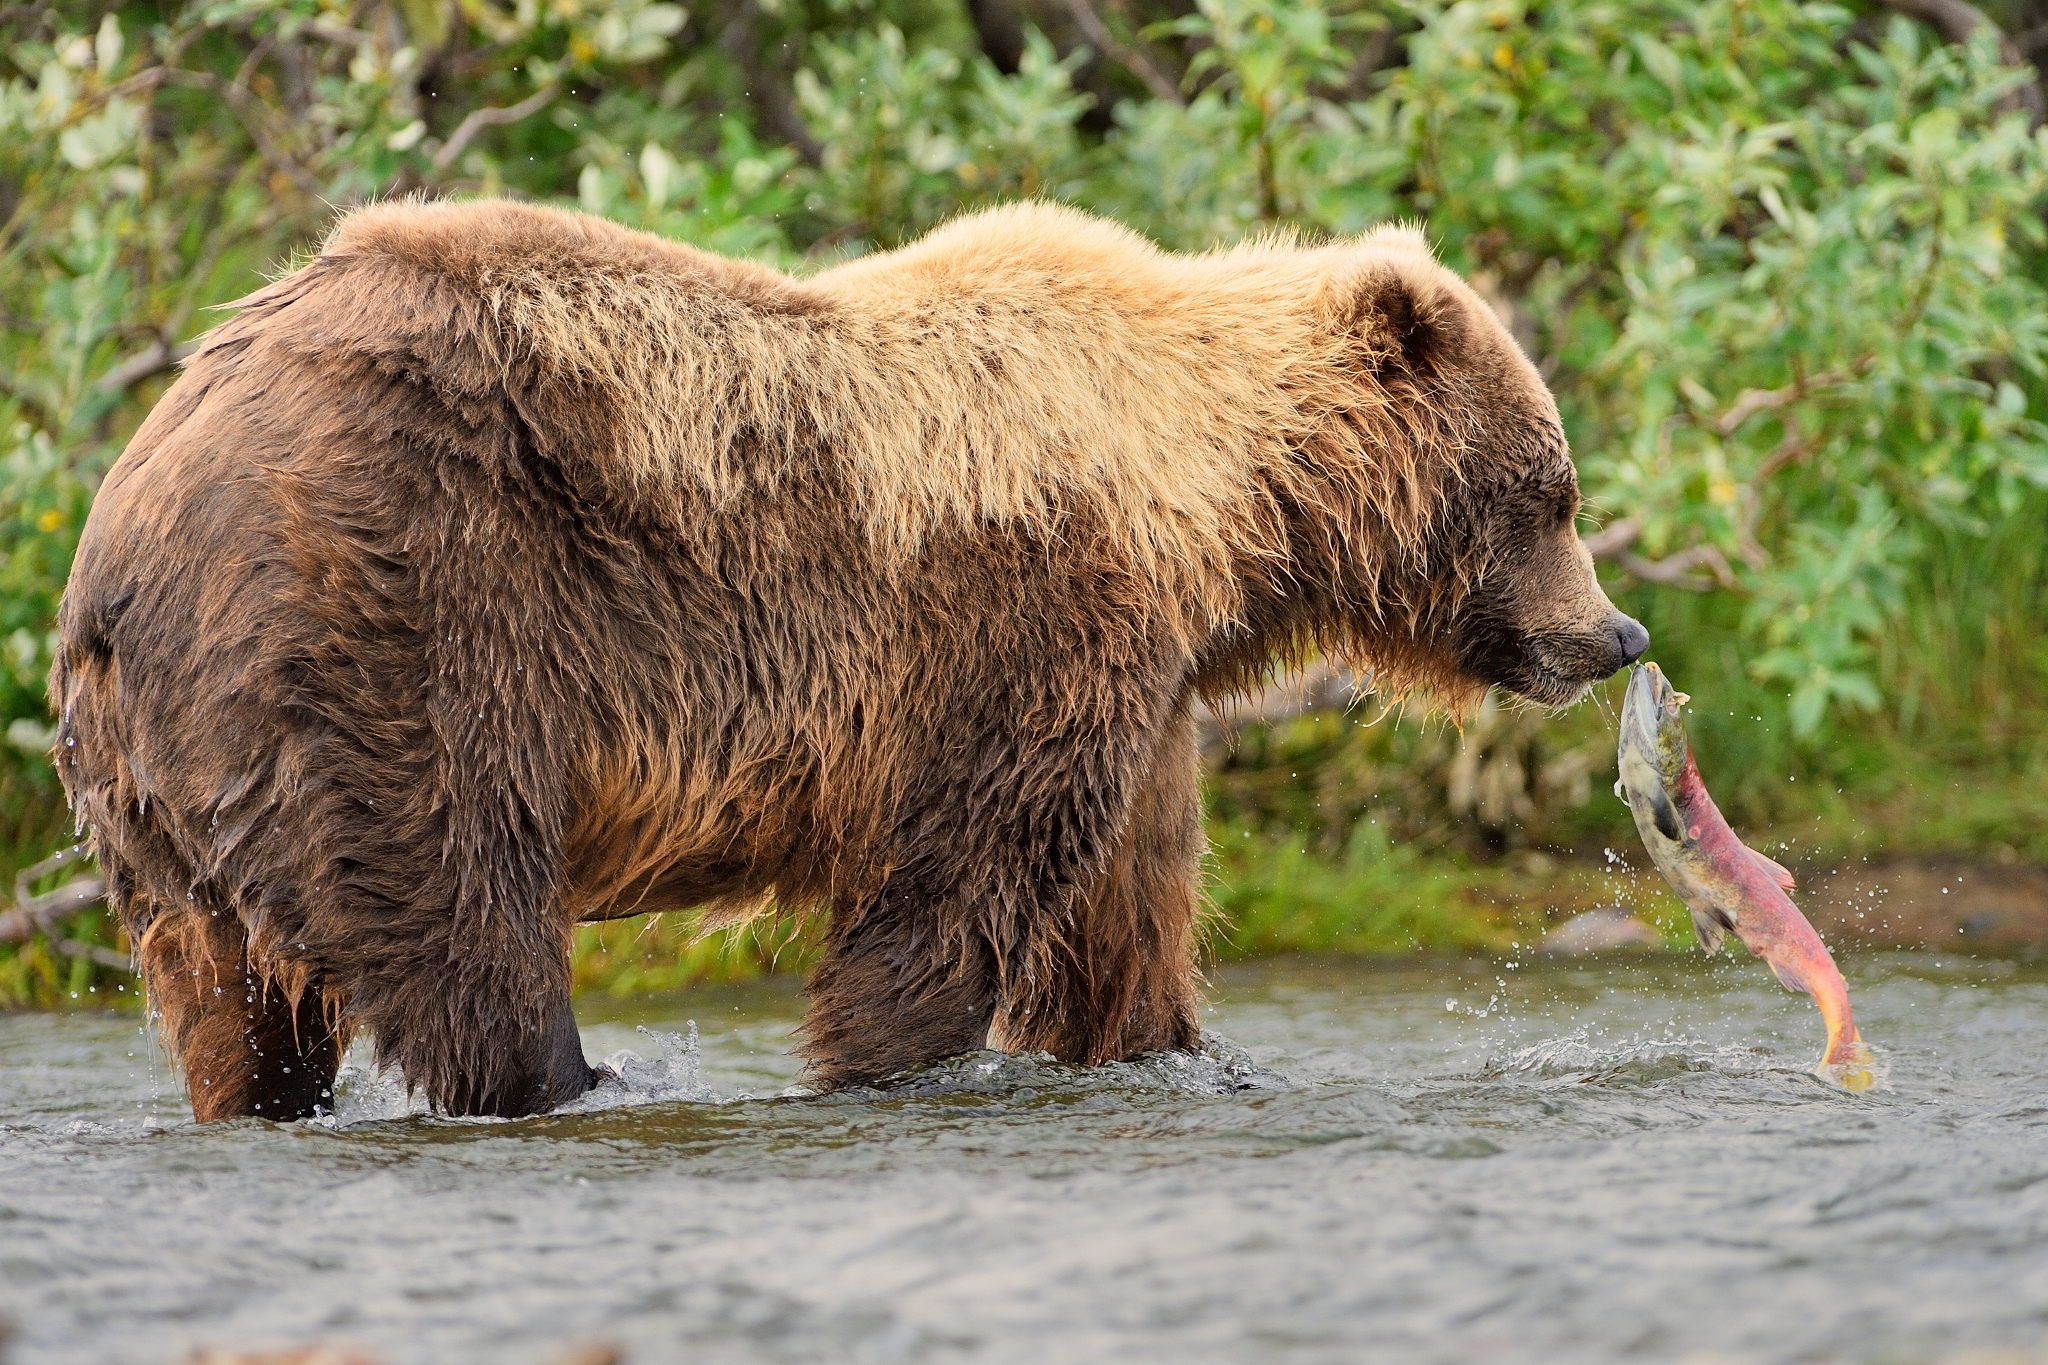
(1750, 402)
(329, 31)
(1612, 544)
(254, 60)
(34, 915)
(1957, 21)
(1129, 58)
(1791, 450)
(479, 119)
(153, 360)
(9, 388)
(1378, 47)
(1954, 20)
(1681, 570)
(245, 108)
(1612, 539)
(1321, 686)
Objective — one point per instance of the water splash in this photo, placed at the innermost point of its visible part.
(1217, 1067)
(674, 1075)
(1629, 1061)
(1578, 1057)
(366, 1093)
(1867, 1069)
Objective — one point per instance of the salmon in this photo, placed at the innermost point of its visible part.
(1728, 886)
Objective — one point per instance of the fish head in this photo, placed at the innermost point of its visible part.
(1655, 759)
(1653, 744)
(1652, 759)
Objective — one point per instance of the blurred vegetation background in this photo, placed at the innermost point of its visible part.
(1782, 262)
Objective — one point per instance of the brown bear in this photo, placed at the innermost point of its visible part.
(503, 568)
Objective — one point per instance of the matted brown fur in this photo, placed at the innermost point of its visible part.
(502, 568)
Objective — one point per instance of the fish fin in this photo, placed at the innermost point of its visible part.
(1621, 790)
(1666, 816)
(1788, 977)
(1775, 868)
(1712, 926)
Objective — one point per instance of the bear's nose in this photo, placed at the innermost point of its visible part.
(1630, 635)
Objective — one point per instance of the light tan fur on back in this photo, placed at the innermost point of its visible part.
(1007, 368)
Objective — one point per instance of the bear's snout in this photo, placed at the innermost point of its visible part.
(1590, 656)
(1630, 638)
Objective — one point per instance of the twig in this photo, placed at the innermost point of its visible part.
(1791, 450)
(1129, 58)
(830, 241)
(1954, 20)
(35, 404)
(1322, 686)
(34, 915)
(330, 31)
(1750, 402)
(1613, 544)
(479, 119)
(254, 60)
(245, 108)
(1612, 539)
(35, 872)
(765, 86)
(1681, 570)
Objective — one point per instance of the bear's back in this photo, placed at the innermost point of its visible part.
(1028, 364)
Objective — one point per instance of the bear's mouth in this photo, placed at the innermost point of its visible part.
(1560, 670)
(1547, 686)
(1551, 671)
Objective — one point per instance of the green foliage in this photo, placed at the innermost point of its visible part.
(1779, 280)
(1783, 266)
(1374, 896)
(652, 954)
(910, 138)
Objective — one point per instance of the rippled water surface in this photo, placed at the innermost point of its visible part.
(1427, 1161)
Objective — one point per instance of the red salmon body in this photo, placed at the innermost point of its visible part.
(1727, 885)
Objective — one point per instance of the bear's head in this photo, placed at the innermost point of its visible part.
(1460, 464)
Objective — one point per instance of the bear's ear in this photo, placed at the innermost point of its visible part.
(1395, 312)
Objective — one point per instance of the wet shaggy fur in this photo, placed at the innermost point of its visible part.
(503, 568)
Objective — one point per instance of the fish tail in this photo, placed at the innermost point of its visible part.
(1849, 1062)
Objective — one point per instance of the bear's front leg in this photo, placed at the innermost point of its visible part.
(502, 1043)
(1121, 978)
(1057, 914)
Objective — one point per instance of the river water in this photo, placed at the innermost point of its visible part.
(1419, 1161)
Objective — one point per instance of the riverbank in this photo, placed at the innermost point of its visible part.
(1377, 900)
(1280, 902)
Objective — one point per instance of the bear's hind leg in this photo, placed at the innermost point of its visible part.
(887, 995)
(247, 1049)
